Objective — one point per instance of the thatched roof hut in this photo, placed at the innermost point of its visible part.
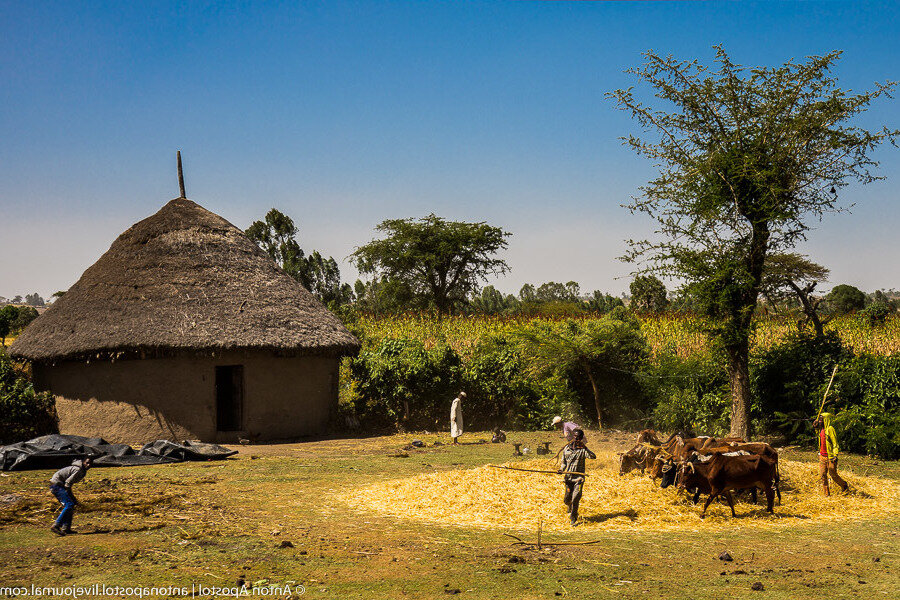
(184, 279)
(183, 286)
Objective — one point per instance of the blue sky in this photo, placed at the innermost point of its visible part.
(342, 114)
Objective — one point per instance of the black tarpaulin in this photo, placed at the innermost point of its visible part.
(56, 451)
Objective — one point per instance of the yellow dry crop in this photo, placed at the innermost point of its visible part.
(678, 334)
(485, 497)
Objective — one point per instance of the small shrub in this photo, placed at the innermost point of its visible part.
(867, 429)
(24, 413)
(877, 313)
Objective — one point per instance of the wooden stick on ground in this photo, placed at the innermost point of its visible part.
(539, 470)
(521, 542)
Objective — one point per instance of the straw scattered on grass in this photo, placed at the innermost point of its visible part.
(495, 498)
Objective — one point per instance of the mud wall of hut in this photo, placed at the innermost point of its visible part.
(175, 398)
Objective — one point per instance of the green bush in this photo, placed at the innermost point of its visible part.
(877, 312)
(24, 413)
(496, 385)
(866, 404)
(789, 382)
(690, 394)
(401, 383)
(866, 429)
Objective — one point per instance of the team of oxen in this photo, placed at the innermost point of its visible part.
(714, 466)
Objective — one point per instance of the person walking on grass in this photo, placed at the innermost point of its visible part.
(456, 417)
(61, 486)
(573, 459)
(828, 453)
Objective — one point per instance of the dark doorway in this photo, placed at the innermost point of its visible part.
(230, 398)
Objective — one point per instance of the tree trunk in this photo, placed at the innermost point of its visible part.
(810, 307)
(596, 389)
(741, 319)
(739, 377)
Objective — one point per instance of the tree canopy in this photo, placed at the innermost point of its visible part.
(748, 158)
(604, 351)
(443, 262)
(7, 315)
(846, 298)
(648, 294)
(277, 235)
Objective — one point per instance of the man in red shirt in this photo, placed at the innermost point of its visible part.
(828, 453)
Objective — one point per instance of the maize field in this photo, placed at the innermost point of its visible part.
(681, 335)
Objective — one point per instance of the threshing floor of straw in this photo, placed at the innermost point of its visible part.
(304, 513)
(493, 498)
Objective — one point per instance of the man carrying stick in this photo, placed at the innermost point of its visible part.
(573, 459)
(828, 453)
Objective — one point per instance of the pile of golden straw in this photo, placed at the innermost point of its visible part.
(485, 497)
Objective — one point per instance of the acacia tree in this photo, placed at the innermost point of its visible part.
(747, 158)
(442, 261)
(794, 275)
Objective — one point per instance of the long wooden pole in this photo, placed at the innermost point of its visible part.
(539, 470)
(180, 176)
(830, 381)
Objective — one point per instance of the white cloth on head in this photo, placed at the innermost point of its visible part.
(456, 418)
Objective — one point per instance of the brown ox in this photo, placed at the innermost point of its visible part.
(648, 436)
(684, 447)
(755, 448)
(675, 450)
(725, 473)
(639, 457)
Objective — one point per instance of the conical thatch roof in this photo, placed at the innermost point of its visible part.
(183, 280)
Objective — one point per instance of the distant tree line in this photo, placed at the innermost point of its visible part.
(434, 264)
(30, 300)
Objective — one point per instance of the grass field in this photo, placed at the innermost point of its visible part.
(297, 514)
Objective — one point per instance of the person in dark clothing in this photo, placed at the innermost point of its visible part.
(61, 486)
(573, 459)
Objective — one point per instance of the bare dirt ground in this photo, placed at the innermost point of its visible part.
(285, 516)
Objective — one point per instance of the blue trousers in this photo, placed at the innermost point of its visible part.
(65, 498)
